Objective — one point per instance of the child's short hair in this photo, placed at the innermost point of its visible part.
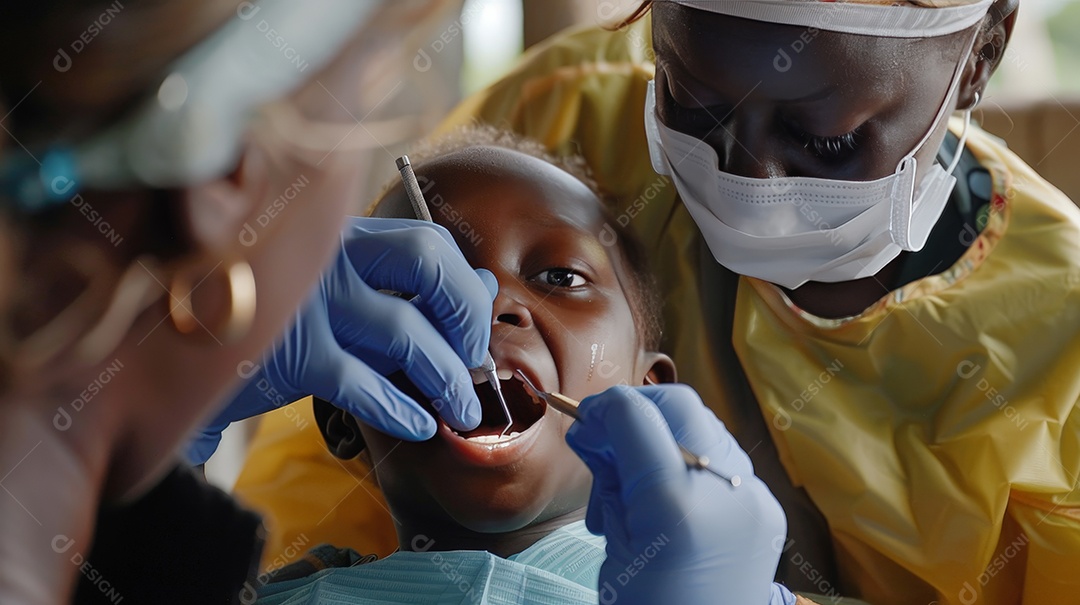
(645, 303)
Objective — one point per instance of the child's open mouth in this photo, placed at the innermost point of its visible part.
(523, 409)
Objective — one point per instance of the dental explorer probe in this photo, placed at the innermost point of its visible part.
(568, 406)
(420, 209)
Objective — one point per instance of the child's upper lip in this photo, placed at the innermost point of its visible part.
(514, 363)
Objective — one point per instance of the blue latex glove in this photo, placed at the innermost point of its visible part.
(675, 535)
(348, 336)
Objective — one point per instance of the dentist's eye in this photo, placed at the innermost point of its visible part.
(691, 120)
(832, 146)
(561, 278)
(829, 148)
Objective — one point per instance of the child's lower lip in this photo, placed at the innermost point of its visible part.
(501, 453)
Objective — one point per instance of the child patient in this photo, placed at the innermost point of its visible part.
(576, 314)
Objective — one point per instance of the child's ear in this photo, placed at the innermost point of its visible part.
(339, 429)
(660, 368)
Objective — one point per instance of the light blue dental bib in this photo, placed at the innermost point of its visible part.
(560, 569)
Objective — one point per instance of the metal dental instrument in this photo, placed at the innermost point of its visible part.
(568, 406)
(420, 209)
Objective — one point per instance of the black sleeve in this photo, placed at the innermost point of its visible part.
(959, 224)
(183, 542)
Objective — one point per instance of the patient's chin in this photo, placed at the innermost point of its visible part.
(497, 515)
(510, 508)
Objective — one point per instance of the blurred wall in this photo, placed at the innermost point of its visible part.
(1045, 132)
(546, 17)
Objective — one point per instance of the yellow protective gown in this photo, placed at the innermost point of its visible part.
(937, 431)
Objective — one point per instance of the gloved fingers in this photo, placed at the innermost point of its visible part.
(604, 504)
(394, 331)
(203, 445)
(357, 389)
(645, 452)
(598, 509)
(641, 486)
(360, 226)
(698, 429)
(751, 507)
(256, 394)
(490, 282)
(606, 513)
(422, 259)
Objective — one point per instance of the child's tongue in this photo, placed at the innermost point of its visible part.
(524, 411)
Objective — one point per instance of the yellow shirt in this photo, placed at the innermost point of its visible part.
(937, 432)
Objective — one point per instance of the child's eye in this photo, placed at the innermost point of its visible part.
(561, 278)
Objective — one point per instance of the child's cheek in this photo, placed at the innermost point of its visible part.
(605, 363)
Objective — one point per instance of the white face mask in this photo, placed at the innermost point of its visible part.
(792, 230)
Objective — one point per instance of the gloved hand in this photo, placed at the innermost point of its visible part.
(675, 535)
(348, 336)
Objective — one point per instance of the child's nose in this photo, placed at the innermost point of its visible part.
(507, 309)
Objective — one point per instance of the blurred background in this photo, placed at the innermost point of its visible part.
(1043, 57)
(460, 46)
(465, 45)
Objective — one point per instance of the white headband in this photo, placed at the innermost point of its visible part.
(889, 21)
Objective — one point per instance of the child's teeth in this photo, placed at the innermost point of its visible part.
(478, 376)
(486, 439)
(492, 438)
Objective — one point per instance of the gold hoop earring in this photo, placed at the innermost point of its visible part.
(236, 324)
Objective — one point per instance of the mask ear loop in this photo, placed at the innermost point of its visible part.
(963, 136)
(944, 108)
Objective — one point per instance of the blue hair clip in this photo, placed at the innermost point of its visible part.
(33, 187)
